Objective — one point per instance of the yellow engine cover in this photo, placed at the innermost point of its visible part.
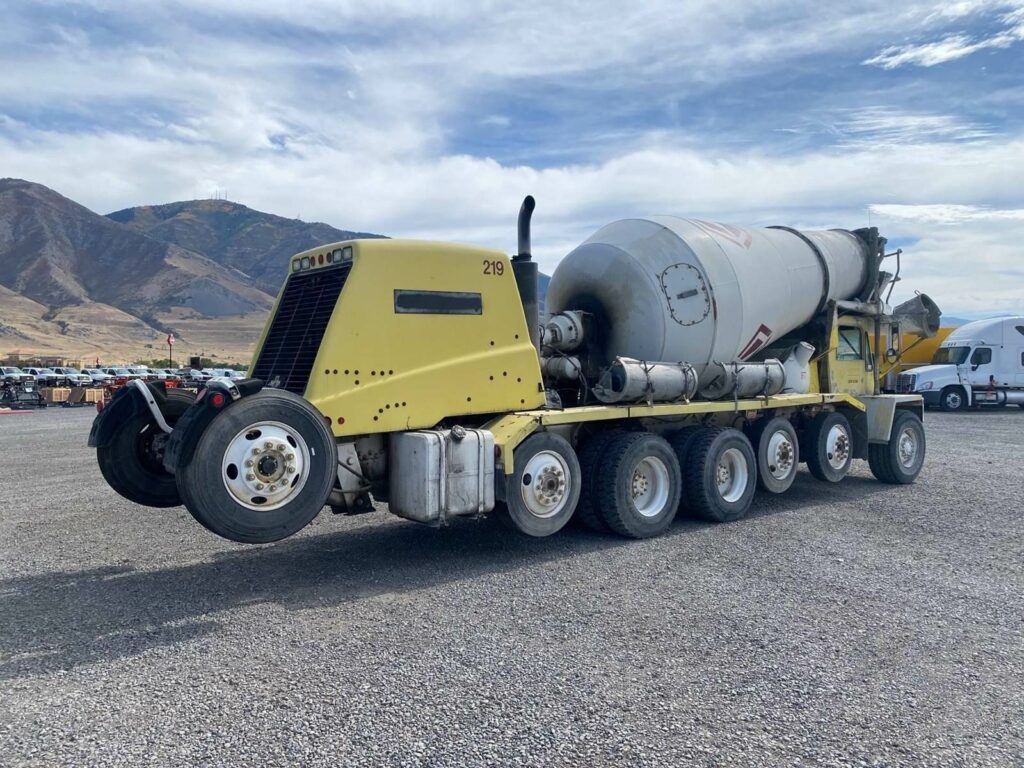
(422, 331)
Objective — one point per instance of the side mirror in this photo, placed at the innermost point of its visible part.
(974, 366)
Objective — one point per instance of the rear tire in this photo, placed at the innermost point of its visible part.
(132, 462)
(639, 485)
(719, 476)
(828, 446)
(953, 399)
(293, 469)
(778, 453)
(544, 487)
(900, 460)
(590, 455)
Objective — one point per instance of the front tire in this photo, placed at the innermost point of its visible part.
(544, 487)
(953, 399)
(900, 460)
(262, 470)
(132, 462)
(639, 485)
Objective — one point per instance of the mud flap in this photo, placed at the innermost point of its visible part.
(190, 427)
(126, 403)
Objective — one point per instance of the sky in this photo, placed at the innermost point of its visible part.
(433, 119)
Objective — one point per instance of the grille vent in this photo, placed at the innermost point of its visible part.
(290, 349)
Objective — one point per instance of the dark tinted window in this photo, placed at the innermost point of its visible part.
(956, 355)
(981, 356)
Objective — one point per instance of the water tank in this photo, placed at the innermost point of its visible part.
(684, 290)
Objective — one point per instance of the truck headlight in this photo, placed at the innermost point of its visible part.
(925, 386)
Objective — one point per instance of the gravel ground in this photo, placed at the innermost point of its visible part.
(857, 624)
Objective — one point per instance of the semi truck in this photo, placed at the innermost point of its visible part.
(978, 364)
(681, 365)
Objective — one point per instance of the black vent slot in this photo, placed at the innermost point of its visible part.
(294, 338)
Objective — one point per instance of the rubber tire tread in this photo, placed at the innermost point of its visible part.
(616, 508)
(681, 442)
(884, 458)
(813, 446)
(587, 514)
(701, 494)
(208, 501)
(118, 459)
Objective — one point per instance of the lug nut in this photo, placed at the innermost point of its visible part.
(248, 462)
(268, 445)
(250, 476)
(256, 451)
(259, 486)
(273, 487)
(290, 457)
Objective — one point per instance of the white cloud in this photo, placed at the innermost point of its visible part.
(966, 257)
(343, 112)
(952, 46)
(947, 214)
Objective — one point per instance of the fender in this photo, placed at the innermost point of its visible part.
(190, 427)
(126, 403)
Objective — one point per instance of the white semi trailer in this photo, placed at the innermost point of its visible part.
(980, 363)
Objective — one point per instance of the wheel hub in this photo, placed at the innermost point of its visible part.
(649, 486)
(780, 455)
(265, 465)
(731, 475)
(838, 447)
(907, 447)
(545, 485)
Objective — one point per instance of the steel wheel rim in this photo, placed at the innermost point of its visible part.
(649, 486)
(546, 484)
(953, 399)
(265, 465)
(837, 447)
(907, 447)
(780, 455)
(731, 475)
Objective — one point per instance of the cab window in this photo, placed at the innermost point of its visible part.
(981, 356)
(850, 344)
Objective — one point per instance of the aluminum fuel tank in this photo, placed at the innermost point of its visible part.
(684, 290)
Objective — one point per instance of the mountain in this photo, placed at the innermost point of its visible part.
(60, 254)
(78, 283)
(255, 243)
(82, 285)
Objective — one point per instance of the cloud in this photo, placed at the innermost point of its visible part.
(947, 214)
(952, 46)
(429, 119)
(966, 257)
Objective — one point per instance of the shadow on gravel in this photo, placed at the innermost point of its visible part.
(61, 620)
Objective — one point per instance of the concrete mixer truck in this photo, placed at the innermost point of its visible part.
(682, 364)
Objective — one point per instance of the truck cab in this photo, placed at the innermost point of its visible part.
(980, 363)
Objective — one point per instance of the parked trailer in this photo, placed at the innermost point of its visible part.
(685, 363)
(980, 363)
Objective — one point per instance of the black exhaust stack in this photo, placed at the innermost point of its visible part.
(525, 271)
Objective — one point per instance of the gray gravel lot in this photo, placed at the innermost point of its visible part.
(857, 624)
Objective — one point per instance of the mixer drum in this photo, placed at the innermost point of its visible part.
(684, 290)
